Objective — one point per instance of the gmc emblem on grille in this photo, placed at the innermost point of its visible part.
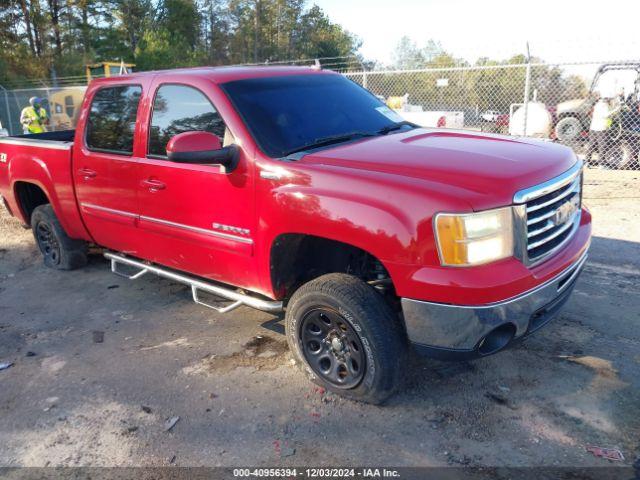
(565, 212)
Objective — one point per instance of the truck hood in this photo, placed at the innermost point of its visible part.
(482, 169)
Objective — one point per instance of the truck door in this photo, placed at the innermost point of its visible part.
(196, 218)
(104, 165)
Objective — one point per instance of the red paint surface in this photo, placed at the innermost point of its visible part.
(379, 194)
(193, 142)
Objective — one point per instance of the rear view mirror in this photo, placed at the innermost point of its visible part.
(202, 148)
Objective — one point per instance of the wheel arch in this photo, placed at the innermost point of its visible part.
(296, 258)
(29, 195)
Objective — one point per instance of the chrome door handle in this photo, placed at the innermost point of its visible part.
(153, 185)
(87, 173)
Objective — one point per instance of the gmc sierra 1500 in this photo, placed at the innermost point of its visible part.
(293, 188)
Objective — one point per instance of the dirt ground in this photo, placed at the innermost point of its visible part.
(70, 401)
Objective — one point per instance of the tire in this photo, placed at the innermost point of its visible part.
(59, 251)
(366, 361)
(489, 127)
(615, 133)
(568, 130)
(628, 157)
(612, 157)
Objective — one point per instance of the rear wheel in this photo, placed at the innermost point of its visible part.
(489, 127)
(629, 158)
(568, 130)
(59, 251)
(346, 337)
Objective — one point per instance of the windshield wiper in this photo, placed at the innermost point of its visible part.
(396, 126)
(331, 140)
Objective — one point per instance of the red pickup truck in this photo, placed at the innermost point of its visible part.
(296, 189)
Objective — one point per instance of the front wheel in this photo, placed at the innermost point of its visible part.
(629, 159)
(568, 130)
(346, 338)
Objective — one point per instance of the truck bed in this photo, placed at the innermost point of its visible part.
(62, 137)
(36, 166)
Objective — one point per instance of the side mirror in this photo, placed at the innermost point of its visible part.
(202, 148)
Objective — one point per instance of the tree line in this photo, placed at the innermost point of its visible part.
(485, 84)
(48, 39)
(57, 38)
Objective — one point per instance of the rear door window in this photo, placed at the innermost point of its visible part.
(178, 109)
(112, 119)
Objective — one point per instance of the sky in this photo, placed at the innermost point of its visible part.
(557, 30)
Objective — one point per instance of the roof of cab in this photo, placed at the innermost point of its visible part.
(222, 74)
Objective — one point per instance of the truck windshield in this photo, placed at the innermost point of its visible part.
(299, 112)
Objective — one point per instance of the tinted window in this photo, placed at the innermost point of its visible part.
(179, 109)
(112, 119)
(285, 113)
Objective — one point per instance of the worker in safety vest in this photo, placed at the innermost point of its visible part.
(34, 118)
(601, 120)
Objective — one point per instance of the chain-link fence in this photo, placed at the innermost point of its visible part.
(61, 103)
(592, 107)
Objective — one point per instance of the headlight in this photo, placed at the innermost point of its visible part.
(474, 238)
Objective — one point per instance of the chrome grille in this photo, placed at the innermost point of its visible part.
(551, 214)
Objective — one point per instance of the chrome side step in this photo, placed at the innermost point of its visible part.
(237, 299)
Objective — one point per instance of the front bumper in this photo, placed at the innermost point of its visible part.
(458, 332)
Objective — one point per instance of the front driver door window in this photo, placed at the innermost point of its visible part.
(178, 109)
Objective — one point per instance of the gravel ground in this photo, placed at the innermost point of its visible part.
(69, 401)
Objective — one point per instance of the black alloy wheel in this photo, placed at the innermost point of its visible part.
(59, 250)
(345, 336)
(48, 243)
(332, 347)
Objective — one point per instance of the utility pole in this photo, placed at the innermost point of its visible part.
(6, 103)
(527, 88)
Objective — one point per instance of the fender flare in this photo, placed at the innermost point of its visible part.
(374, 226)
